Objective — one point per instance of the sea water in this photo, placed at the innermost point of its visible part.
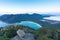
(56, 18)
(30, 24)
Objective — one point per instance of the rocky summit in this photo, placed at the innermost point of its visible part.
(21, 35)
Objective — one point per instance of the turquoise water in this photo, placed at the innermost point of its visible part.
(30, 24)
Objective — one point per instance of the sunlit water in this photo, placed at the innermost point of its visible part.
(30, 24)
(57, 18)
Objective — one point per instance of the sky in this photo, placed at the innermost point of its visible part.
(29, 6)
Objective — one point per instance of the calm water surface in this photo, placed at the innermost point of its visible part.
(31, 24)
(57, 18)
(24, 23)
(3, 24)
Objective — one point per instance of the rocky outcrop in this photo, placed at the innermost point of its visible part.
(21, 35)
(15, 38)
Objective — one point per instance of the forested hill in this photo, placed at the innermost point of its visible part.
(12, 18)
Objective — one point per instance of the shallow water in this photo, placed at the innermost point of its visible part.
(30, 24)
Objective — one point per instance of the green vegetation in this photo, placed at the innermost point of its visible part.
(48, 34)
(10, 31)
(41, 34)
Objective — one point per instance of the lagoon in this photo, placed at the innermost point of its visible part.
(30, 24)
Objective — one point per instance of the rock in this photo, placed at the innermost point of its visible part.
(21, 35)
(15, 38)
(29, 36)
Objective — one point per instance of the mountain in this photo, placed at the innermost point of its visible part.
(13, 18)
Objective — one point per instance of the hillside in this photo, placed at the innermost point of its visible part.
(13, 18)
(41, 34)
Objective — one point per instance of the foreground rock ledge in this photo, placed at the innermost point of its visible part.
(21, 35)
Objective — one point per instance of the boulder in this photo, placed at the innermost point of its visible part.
(21, 35)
